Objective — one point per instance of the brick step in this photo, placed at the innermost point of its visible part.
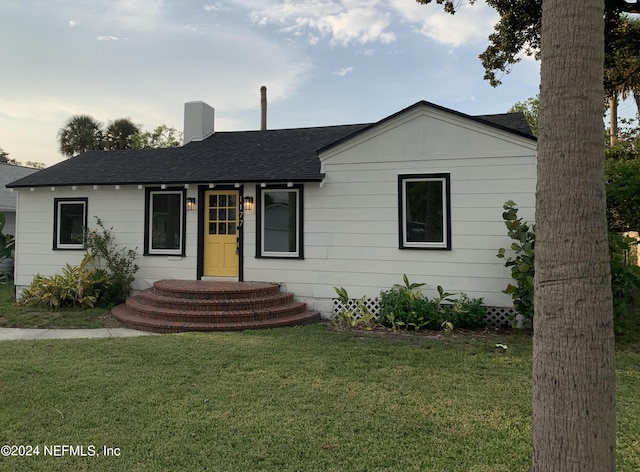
(132, 320)
(173, 306)
(209, 290)
(144, 310)
(154, 298)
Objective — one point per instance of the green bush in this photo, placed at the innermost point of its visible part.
(625, 275)
(625, 278)
(117, 267)
(522, 260)
(466, 312)
(358, 317)
(77, 286)
(404, 306)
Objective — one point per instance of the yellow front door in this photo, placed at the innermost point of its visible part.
(222, 216)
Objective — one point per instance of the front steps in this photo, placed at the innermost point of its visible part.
(174, 306)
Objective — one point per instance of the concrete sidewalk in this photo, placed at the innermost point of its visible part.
(7, 334)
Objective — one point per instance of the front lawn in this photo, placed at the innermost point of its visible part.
(13, 315)
(307, 398)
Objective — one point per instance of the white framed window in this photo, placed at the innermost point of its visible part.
(279, 222)
(165, 222)
(424, 211)
(69, 223)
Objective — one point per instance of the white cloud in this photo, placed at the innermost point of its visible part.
(471, 23)
(72, 23)
(342, 21)
(215, 7)
(106, 38)
(343, 71)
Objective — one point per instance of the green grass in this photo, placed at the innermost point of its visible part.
(290, 399)
(306, 398)
(13, 315)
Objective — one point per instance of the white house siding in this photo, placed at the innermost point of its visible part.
(121, 209)
(351, 222)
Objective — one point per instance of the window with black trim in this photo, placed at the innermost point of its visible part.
(424, 211)
(165, 222)
(69, 222)
(279, 222)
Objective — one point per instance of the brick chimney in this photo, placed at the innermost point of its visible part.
(263, 108)
(198, 121)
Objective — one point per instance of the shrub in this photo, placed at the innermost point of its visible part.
(625, 278)
(115, 266)
(77, 286)
(404, 306)
(358, 317)
(7, 242)
(522, 260)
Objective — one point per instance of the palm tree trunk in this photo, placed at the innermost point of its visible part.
(573, 354)
(613, 120)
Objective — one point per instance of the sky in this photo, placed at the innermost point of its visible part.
(324, 62)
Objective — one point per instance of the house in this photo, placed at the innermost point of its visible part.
(9, 173)
(419, 192)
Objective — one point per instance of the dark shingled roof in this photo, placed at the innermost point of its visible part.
(225, 157)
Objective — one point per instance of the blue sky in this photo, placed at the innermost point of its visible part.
(324, 62)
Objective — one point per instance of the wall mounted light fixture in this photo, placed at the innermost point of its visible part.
(247, 203)
(191, 204)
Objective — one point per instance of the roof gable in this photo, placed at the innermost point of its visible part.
(515, 123)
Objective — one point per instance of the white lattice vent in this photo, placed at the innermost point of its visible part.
(496, 316)
(370, 303)
(499, 316)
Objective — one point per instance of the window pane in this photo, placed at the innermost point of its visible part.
(222, 215)
(424, 211)
(213, 201)
(231, 228)
(222, 228)
(212, 228)
(166, 221)
(71, 223)
(232, 214)
(280, 221)
(223, 200)
(232, 200)
(213, 214)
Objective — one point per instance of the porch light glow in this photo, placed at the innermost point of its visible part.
(191, 204)
(247, 203)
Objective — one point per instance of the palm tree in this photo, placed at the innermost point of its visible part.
(622, 69)
(574, 393)
(79, 134)
(119, 133)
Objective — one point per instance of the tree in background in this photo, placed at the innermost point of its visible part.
(161, 137)
(119, 134)
(79, 134)
(82, 133)
(4, 159)
(529, 108)
(517, 33)
(622, 69)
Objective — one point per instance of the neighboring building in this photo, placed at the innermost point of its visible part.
(418, 193)
(9, 173)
